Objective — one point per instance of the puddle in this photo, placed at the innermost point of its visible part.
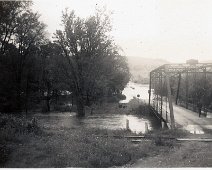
(194, 129)
(209, 115)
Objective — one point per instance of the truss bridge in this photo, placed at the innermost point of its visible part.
(176, 89)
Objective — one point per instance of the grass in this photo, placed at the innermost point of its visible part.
(69, 147)
(14, 130)
(75, 148)
(24, 144)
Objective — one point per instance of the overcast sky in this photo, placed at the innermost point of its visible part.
(175, 30)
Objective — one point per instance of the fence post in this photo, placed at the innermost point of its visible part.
(127, 124)
(146, 127)
(162, 124)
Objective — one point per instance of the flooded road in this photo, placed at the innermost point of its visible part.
(104, 121)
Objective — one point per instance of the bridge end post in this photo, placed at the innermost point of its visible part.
(169, 98)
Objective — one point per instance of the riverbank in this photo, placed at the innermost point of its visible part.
(28, 143)
(45, 141)
(74, 147)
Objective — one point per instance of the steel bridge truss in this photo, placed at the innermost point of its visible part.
(160, 92)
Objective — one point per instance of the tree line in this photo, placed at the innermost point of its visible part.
(82, 59)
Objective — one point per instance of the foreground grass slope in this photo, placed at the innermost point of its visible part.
(24, 144)
(27, 142)
(187, 154)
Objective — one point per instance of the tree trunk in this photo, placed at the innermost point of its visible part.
(88, 100)
(48, 97)
(80, 106)
(27, 95)
(56, 96)
(48, 103)
(18, 97)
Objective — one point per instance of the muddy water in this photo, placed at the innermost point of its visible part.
(136, 124)
(104, 121)
(107, 121)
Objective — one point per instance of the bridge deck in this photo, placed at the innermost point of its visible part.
(190, 120)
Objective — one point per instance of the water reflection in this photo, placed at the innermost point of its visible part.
(209, 115)
(109, 121)
(113, 122)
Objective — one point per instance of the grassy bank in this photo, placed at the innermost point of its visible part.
(181, 154)
(14, 131)
(24, 144)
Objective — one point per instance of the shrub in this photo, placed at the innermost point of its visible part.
(112, 99)
(143, 109)
(121, 96)
(44, 108)
(11, 125)
(14, 129)
(163, 142)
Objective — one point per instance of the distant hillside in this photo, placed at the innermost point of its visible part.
(140, 67)
(206, 61)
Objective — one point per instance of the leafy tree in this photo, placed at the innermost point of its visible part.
(93, 64)
(9, 12)
(51, 81)
(21, 34)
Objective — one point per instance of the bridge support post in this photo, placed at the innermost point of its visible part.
(172, 121)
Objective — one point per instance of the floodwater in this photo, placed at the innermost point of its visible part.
(107, 121)
(133, 90)
(118, 121)
(137, 124)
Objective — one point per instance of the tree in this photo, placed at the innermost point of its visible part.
(50, 79)
(9, 12)
(29, 34)
(93, 64)
(21, 35)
